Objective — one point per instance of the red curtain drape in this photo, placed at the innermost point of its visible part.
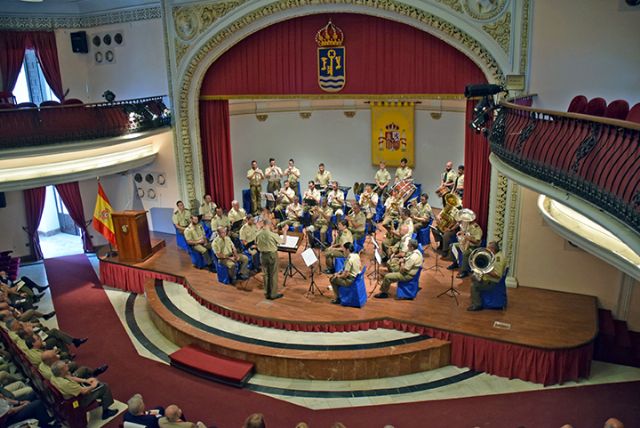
(477, 171)
(44, 43)
(382, 57)
(34, 205)
(70, 195)
(12, 45)
(215, 140)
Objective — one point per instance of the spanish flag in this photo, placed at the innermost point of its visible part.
(102, 221)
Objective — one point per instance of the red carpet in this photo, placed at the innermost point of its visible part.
(85, 311)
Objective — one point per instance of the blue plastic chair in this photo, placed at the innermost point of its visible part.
(358, 244)
(424, 234)
(496, 298)
(223, 272)
(180, 240)
(380, 210)
(246, 200)
(338, 264)
(355, 295)
(207, 230)
(328, 235)
(409, 289)
(197, 259)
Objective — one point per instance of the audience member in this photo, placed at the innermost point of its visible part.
(137, 414)
(613, 423)
(255, 420)
(19, 411)
(173, 419)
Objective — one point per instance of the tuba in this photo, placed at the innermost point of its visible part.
(447, 216)
(481, 261)
(464, 216)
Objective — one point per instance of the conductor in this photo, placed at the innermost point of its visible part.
(267, 243)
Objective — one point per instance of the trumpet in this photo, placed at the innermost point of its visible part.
(481, 261)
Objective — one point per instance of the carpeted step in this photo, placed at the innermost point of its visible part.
(216, 367)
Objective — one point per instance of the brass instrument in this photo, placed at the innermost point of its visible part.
(481, 262)
(447, 216)
(464, 217)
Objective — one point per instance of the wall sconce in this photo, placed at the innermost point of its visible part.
(436, 115)
(350, 113)
(305, 114)
(262, 117)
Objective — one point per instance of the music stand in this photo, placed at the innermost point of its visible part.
(310, 258)
(377, 261)
(291, 247)
(269, 199)
(452, 292)
(436, 267)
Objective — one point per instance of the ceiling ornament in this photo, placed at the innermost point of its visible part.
(500, 31)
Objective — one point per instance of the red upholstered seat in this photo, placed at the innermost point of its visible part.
(618, 109)
(7, 97)
(72, 101)
(26, 105)
(596, 107)
(6, 106)
(578, 104)
(216, 367)
(634, 114)
(50, 103)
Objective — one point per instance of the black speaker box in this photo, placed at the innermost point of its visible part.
(79, 42)
(3, 200)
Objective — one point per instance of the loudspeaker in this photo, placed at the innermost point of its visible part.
(79, 42)
(3, 200)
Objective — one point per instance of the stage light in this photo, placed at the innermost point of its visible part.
(479, 121)
(483, 105)
(482, 90)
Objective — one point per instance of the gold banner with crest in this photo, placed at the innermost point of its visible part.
(392, 132)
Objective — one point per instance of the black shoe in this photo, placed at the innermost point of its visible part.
(452, 266)
(381, 295)
(41, 289)
(277, 296)
(78, 342)
(336, 301)
(106, 414)
(49, 315)
(474, 308)
(328, 271)
(39, 296)
(212, 268)
(462, 275)
(100, 370)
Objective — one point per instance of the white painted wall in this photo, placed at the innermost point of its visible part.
(588, 47)
(342, 143)
(49, 221)
(13, 219)
(139, 69)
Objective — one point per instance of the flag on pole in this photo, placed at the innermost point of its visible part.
(102, 221)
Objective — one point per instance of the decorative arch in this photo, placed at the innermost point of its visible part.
(240, 23)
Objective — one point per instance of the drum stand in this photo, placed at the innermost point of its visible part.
(451, 292)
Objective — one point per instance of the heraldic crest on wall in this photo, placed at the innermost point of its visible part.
(331, 58)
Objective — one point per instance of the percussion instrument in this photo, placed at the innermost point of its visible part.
(443, 190)
(405, 188)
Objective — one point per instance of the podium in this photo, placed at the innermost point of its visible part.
(132, 235)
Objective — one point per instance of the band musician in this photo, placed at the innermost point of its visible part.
(489, 280)
(320, 218)
(357, 221)
(248, 233)
(323, 177)
(255, 177)
(469, 238)
(382, 179)
(227, 254)
(181, 217)
(368, 202)
(196, 238)
(284, 197)
(335, 198)
(421, 212)
(337, 249)
(273, 173)
(220, 219)
(397, 251)
(292, 175)
(407, 269)
(294, 214)
(447, 181)
(236, 217)
(459, 187)
(207, 209)
(392, 205)
(345, 278)
(403, 172)
(311, 196)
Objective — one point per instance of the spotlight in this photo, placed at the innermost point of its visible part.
(478, 122)
(483, 105)
(482, 90)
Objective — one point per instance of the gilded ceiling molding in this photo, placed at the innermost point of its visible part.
(500, 31)
(483, 11)
(524, 37)
(191, 27)
(453, 4)
(501, 207)
(86, 21)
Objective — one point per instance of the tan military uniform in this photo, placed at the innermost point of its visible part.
(181, 218)
(335, 198)
(449, 176)
(273, 174)
(236, 216)
(294, 212)
(412, 263)
(248, 232)
(323, 178)
(321, 219)
(312, 194)
(337, 250)
(293, 176)
(475, 234)
(423, 211)
(217, 222)
(401, 245)
(285, 197)
(352, 266)
(392, 209)
(488, 282)
(361, 220)
(267, 243)
(368, 203)
(195, 232)
(382, 176)
(224, 250)
(208, 210)
(255, 185)
(460, 185)
(403, 173)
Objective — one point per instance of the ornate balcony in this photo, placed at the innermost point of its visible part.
(591, 164)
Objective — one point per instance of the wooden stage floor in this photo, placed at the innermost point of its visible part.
(538, 318)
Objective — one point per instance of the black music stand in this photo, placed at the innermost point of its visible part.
(436, 267)
(451, 291)
(310, 258)
(375, 272)
(291, 269)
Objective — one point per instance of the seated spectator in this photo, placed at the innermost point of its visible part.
(50, 357)
(173, 419)
(255, 420)
(137, 414)
(613, 423)
(19, 411)
(88, 390)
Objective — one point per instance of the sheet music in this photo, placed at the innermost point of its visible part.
(309, 257)
(269, 197)
(375, 243)
(291, 241)
(377, 255)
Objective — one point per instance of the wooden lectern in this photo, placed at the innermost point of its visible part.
(132, 235)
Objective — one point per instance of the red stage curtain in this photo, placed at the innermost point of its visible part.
(216, 151)
(34, 205)
(44, 43)
(382, 57)
(477, 171)
(12, 45)
(70, 195)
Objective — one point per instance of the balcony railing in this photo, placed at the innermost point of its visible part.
(594, 158)
(29, 127)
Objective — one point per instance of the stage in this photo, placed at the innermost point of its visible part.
(543, 336)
